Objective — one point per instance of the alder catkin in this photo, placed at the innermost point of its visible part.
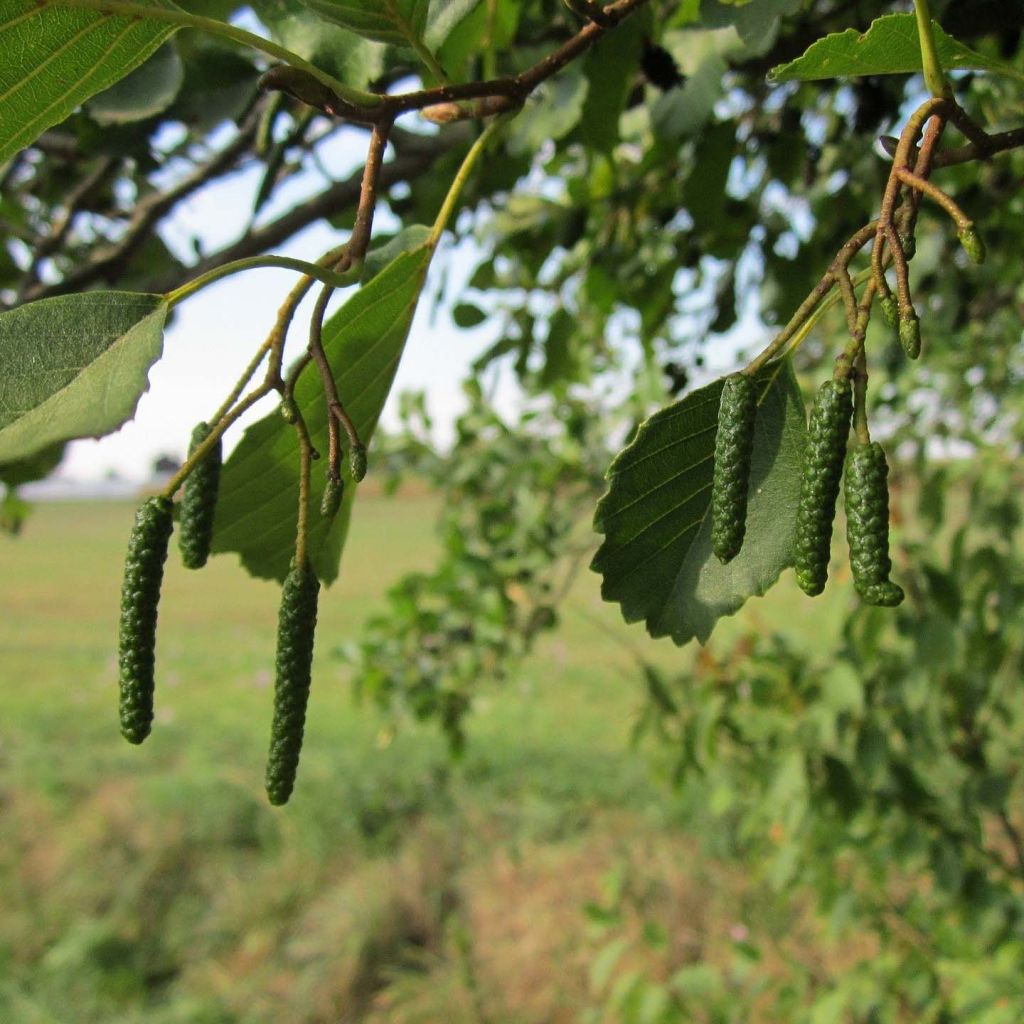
(199, 502)
(295, 631)
(867, 525)
(140, 596)
(827, 434)
(910, 334)
(357, 462)
(733, 444)
(334, 491)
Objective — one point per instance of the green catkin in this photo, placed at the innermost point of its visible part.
(140, 595)
(910, 334)
(199, 502)
(357, 462)
(733, 443)
(827, 434)
(295, 630)
(867, 525)
(890, 312)
(973, 244)
(334, 491)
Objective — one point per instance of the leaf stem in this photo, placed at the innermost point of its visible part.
(183, 19)
(452, 198)
(312, 270)
(429, 60)
(860, 401)
(950, 205)
(934, 78)
(216, 433)
(306, 455)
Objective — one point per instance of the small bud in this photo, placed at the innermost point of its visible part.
(973, 244)
(333, 493)
(288, 411)
(357, 462)
(890, 313)
(889, 144)
(910, 334)
(909, 246)
(443, 113)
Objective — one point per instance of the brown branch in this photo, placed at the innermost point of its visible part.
(998, 143)
(514, 89)
(355, 250)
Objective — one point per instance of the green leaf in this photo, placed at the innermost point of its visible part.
(35, 467)
(756, 23)
(350, 59)
(400, 22)
(552, 116)
(410, 237)
(150, 88)
(442, 19)
(55, 58)
(889, 47)
(610, 69)
(656, 557)
(74, 366)
(257, 508)
(466, 315)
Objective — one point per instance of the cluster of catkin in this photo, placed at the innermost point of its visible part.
(824, 462)
(140, 596)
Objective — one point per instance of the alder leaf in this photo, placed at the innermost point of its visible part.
(55, 58)
(656, 557)
(149, 89)
(259, 492)
(889, 47)
(444, 16)
(399, 22)
(75, 366)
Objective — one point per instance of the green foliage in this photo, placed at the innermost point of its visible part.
(58, 57)
(656, 557)
(140, 597)
(256, 511)
(827, 433)
(889, 47)
(199, 502)
(733, 443)
(512, 499)
(77, 366)
(296, 629)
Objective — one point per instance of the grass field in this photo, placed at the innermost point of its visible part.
(155, 884)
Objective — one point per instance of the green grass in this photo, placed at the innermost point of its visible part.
(155, 883)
